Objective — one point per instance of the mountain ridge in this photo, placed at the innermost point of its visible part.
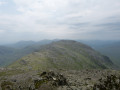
(67, 54)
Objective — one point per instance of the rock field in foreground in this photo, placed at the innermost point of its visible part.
(60, 80)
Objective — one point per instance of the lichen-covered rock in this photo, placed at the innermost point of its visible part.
(92, 79)
(111, 82)
(7, 85)
(51, 79)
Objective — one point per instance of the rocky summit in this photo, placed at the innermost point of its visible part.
(94, 79)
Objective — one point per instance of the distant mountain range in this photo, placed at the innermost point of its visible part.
(23, 44)
(63, 54)
(13, 52)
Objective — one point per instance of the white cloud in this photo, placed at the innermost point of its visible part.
(2, 31)
(2, 3)
(59, 18)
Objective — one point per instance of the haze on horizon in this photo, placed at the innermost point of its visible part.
(59, 19)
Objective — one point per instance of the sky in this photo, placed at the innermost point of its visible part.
(59, 19)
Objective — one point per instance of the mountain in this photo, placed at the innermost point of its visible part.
(97, 43)
(5, 53)
(13, 52)
(112, 50)
(63, 54)
(6, 50)
(23, 44)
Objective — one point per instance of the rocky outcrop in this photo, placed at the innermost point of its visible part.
(51, 79)
(61, 80)
(111, 82)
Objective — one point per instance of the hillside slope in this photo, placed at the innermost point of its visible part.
(64, 54)
(5, 53)
(111, 50)
(9, 55)
(13, 52)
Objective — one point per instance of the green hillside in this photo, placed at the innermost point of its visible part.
(13, 52)
(64, 54)
(8, 55)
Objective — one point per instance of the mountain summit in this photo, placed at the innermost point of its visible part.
(63, 54)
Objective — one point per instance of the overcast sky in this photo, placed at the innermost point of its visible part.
(59, 19)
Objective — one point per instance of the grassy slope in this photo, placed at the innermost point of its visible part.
(9, 55)
(63, 54)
